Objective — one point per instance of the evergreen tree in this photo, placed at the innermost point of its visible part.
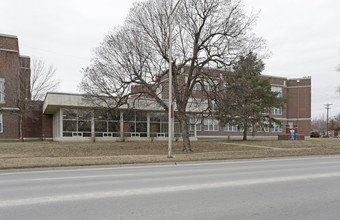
(248, 98)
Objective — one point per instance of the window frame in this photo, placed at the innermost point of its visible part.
(210, 123)
(1, 123)
(2, 90)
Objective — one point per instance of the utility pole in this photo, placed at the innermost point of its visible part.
(327, 107)
(171, 106)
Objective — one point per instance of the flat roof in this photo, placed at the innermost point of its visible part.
(54, 101)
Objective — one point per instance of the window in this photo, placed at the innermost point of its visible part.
(198, 125)
(230, 127)
(276, 128)
(213, 105)
(1, 124)
(211, 85)
(210, 124)
(197, 86)
(107, 123)
(264, 127)
(2, 90)
(250, 128)
(135, 123)
(194, 100)
(207, 86)
(159, 91)
(276, 111)
(278, 90)
(76, 122)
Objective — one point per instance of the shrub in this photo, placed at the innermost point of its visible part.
(315, 134)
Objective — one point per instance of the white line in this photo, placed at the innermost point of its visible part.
(157, 165)
(165, 189)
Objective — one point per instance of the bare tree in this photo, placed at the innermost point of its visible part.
(319, 125)
(42, 79)
(133, 60)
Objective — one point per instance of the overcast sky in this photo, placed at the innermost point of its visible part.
(302, 35)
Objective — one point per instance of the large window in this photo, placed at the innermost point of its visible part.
(278, 90)
(2, 90)
(76, 122)
(276, 111)
(158, 124)
(135, 124)
(276, 128)
(210, 124)
(107, 123)
(229, 127)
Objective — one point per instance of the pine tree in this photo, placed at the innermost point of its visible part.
(248, 98)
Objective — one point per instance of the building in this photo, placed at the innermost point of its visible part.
(14, 91)
(72, 117)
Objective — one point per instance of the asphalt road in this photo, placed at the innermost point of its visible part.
(286, 188)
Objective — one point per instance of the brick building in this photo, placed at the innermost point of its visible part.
(72, 117)
(14, 90)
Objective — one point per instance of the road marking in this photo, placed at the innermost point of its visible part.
(164, 189)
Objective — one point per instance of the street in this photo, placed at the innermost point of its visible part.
(275, 188)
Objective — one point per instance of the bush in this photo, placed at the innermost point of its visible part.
(315, 135)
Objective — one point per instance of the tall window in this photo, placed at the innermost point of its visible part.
(76, 122)
(1, 124)
(276, 111)
(159, 124)
(210, 124)
(107, 123)
(278, 90)
(135, 123)
(2, 90)
(197, 86)
(276, 128)
(159, 91)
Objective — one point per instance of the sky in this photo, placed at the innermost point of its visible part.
(303, 38)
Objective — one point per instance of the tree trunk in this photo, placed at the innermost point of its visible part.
(21, 129)
(245, 130)
(185, 136)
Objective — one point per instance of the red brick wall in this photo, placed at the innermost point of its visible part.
(9, 70)
(9, 42)
(37, 125)
(10, 126)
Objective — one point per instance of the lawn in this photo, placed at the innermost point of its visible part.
(44, 153)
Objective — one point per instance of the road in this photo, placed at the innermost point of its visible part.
(283, 188)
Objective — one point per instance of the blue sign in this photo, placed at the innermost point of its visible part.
(292, 135)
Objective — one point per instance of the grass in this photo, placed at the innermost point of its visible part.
(44, 154)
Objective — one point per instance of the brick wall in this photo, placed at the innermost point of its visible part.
(9, 42)
(37, 125)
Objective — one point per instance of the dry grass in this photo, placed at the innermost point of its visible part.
(42, 154)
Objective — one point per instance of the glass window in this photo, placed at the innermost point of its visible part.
(135, 123)
(76, 122)
(276, 127)
(210, 124)
(230, 127)
(2, 90)
(278, 90)
(159, 124)
(197, 86)
(276, 111)
(1, 124)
